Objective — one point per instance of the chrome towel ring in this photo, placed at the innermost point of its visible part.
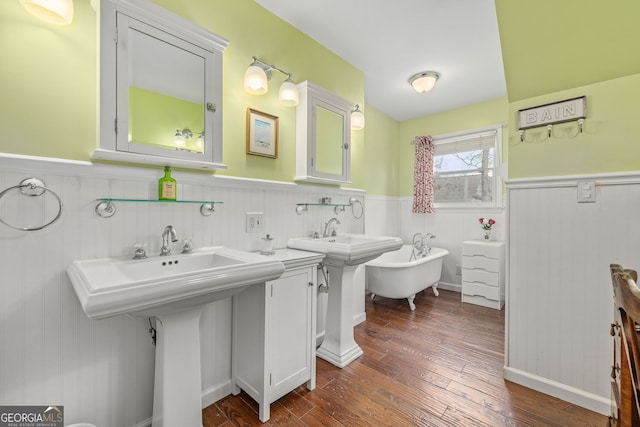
(32, 187)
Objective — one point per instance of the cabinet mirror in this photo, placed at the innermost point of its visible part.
(160, 88)
(323, 136)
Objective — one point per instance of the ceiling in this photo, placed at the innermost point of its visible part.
(391, 41)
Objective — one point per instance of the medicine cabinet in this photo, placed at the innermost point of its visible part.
(323, 136)
(160, 88)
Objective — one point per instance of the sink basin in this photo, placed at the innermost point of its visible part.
(148, 287)
(343, 254)
(173, 289)
(351, 249)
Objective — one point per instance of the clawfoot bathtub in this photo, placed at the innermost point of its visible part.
(398, 274)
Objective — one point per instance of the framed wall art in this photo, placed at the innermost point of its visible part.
(262, 134)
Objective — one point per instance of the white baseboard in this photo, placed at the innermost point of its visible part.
(216, 392)
(450, 287)
(573, 395)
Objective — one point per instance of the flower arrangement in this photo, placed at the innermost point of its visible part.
(486, 224)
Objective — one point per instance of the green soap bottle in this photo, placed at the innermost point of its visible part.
(167, 186)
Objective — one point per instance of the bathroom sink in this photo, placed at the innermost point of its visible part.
(343, 255)
(351, 249)
(174, 290)
(148, 287)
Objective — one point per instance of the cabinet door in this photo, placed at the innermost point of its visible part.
(291, 330)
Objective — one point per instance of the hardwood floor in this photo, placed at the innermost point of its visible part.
(440, 365)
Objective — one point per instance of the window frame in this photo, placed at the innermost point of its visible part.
(498, 170)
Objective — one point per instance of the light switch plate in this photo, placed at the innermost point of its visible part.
(255, 222)
(586, 191)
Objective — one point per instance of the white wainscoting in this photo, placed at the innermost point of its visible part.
(102, 371)
(559, 301)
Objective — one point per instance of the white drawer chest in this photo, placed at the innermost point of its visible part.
(483, 273)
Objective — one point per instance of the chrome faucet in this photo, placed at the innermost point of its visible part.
(327, 227)
(418, 243)
(169, 233)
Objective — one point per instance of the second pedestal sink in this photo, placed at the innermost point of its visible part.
(173, 289)
(343, 254)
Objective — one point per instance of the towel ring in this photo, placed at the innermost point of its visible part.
(32, 187)
(354, 201)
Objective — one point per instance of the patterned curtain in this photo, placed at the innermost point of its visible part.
(423, 176)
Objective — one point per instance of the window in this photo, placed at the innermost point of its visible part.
(465, 169)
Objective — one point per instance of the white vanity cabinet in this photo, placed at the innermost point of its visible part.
(274, 332)
(483, 273)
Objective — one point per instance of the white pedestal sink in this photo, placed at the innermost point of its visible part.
(174, 289)
(343, 254)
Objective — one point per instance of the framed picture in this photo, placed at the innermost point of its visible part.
(262, 134)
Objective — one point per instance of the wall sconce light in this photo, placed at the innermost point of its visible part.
(57, 12)
(425, 81)
(357, 118)
(256, 82)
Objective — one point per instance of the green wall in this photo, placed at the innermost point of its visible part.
(49, 90)
(609, 142)
(380, 152)
(49, 87)
(564, 49)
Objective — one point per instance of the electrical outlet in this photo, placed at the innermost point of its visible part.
(458, 270)
(255, 222)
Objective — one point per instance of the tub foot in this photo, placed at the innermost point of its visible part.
(373, 297)
(435, 289)
(412, 306)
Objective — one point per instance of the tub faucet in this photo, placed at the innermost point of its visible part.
(327, 228)
(419, 244)
(169, 233)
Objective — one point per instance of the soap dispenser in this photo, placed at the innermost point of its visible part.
(267, 245)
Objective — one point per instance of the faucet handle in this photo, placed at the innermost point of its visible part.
(140, 250)
(187, 248)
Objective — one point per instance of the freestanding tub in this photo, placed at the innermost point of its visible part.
(397, 274)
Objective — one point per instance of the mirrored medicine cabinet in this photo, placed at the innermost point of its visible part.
(323, 136)
(160, 88)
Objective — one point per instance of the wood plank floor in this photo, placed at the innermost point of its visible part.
(440, 365)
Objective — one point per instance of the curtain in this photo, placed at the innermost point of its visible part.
(423, 175)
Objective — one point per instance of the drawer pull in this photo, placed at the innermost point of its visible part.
(614, 327)
(614, 371)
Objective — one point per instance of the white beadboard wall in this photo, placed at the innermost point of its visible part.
(559, 301)
(392, 216)
(102, 371)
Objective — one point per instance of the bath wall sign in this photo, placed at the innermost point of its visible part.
(556, 112)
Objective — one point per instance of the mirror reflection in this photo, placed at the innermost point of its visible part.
(329, 134)
(166, 94)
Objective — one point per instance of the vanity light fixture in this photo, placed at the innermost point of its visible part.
(425, 81)
(57, 12)
(357, 118)
(180, 137)
(256, 82)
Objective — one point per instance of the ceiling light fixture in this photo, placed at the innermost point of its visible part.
(425, 81)
(357, 118)
(256, 80)
(57, 12)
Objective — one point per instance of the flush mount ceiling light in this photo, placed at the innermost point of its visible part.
(425, 81)
(256, 82)
(357, 118)
(57, 12)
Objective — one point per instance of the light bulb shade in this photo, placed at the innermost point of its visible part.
(357, 119)
(424, 82)
(255, 80)
(57, 12)
(178, 139)
(288, 94)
